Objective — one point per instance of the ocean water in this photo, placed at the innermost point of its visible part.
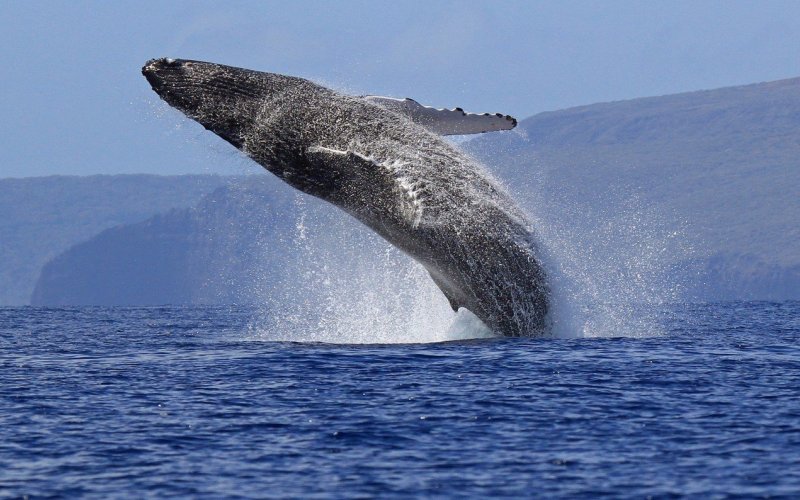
(110, 402)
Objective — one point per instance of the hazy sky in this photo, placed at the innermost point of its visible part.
(73, 99)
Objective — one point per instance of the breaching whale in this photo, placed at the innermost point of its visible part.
(383, 161)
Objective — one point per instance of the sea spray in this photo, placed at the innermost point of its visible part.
(344, 284)
(320, 276)
(348, 286)
(608, 266)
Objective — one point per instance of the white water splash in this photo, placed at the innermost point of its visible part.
(609, 271)
(351, 287)
(347, 285)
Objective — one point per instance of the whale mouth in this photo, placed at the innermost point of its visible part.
(205, 92)
(178, 80)
(159, 71)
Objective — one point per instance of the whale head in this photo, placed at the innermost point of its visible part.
(224, 99)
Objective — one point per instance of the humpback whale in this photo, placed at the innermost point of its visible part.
(384, 162)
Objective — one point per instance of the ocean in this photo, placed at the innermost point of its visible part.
(202, 402)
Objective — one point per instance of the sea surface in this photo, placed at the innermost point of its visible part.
(161, 402)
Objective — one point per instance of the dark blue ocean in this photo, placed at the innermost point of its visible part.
(146, 402)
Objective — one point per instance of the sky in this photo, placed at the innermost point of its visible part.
(74, 102)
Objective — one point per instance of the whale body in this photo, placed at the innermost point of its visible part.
(381, 162)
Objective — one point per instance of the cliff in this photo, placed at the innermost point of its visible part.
(41, 217)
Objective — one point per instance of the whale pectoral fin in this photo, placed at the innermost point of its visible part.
(447, 291)
(323, 154)
(328, 156)
(338, 166)
(409, 205)
(445, 121)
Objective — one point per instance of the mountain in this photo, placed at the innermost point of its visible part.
(718, 168)
(689, 196)
(177, 257)
(240, 243)
(41, 217)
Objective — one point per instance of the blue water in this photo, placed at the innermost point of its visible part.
(187, 401)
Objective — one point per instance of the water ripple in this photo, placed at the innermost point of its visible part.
(178, 401)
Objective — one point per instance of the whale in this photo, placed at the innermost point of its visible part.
(385, 162)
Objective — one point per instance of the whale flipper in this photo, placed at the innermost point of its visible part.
(331, 159)
(445, 121)
(341, 168)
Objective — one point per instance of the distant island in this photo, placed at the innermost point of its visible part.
(703, 184)
(719, 167)
(45, 216)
